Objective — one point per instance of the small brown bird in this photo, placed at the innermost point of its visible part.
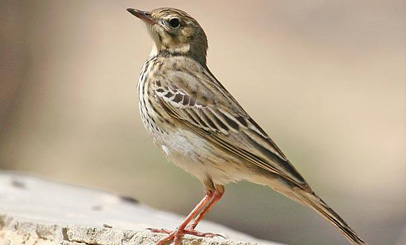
(201, 128)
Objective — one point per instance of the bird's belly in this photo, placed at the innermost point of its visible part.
(199, 157)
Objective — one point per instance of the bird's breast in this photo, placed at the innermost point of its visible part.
(180, 145)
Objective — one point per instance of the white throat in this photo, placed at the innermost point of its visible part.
(157, 44)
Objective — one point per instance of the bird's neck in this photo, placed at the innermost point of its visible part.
(154, 51)
(159, 49)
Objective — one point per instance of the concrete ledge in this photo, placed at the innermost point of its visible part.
(20, 231)
(38, 211)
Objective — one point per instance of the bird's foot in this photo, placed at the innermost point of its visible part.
(178, 233)
(155, 230)
(191, 230)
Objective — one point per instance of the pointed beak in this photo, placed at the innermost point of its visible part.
(142, 15)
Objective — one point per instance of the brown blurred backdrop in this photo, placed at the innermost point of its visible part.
(332, 74)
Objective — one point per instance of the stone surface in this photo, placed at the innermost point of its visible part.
(42, 212)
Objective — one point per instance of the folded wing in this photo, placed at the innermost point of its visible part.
(196, 99)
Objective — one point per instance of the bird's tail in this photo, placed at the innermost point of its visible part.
(316, 203)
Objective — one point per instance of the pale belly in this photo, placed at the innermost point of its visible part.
(199, 157)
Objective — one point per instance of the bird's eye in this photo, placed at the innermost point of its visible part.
(174, 23)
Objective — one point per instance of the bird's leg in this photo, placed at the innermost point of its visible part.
(175, 235)
(218, 193)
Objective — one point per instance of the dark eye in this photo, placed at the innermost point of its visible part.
(174, 23)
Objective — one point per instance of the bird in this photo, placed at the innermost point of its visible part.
(201, 127)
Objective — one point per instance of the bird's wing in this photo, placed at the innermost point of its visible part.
(196, 99)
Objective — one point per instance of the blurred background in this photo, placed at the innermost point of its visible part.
(331, 72)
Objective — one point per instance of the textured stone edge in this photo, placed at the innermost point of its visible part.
(29, 232)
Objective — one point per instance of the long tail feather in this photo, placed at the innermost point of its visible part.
(316, 203)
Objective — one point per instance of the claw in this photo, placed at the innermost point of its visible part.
(190, 230)
(164, 231)
(176, 235)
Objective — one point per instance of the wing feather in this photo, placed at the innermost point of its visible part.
(202, 104)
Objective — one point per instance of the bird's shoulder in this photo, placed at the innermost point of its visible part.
(186, 83)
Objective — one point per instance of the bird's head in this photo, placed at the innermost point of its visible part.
(174, 32)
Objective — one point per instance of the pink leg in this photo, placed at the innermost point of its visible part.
(218, 193)
(175, 235)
